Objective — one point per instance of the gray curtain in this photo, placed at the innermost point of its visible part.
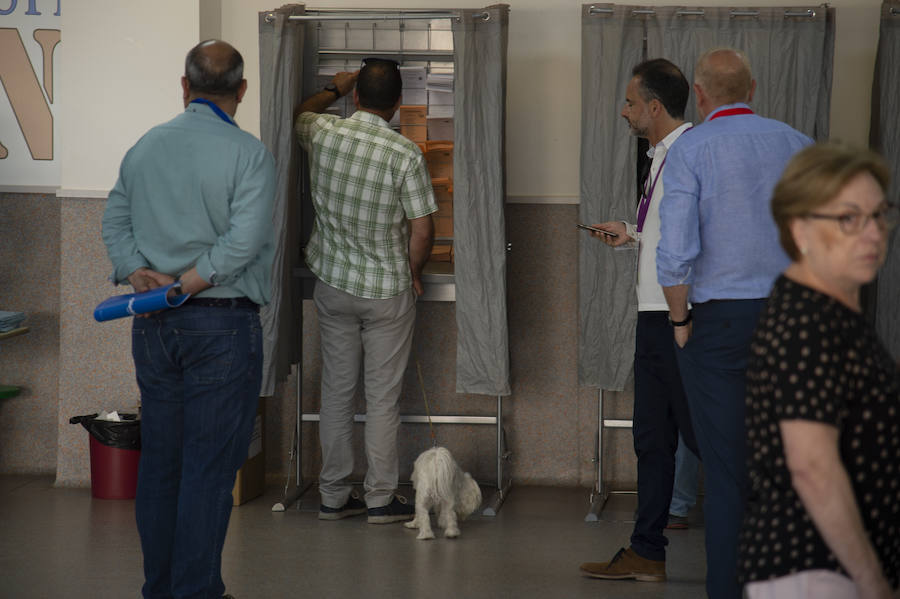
(885, 138)
(791, 56)
(479, 192)
(611, 44)
(281, 70)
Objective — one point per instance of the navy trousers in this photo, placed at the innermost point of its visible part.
(660, 412)
(199, 370)
(713, 365)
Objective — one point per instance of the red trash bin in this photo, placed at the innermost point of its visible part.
(115, 449)
(114, 471)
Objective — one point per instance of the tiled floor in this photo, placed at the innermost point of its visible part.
(57, 542)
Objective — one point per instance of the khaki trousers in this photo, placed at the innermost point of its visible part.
(373, 336)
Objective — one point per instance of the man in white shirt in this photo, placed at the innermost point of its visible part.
(655, 100)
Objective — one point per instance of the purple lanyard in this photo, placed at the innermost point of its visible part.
(644, 206)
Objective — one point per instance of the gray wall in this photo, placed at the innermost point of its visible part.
(53, 266)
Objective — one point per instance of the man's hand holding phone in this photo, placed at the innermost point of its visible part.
(611, 233)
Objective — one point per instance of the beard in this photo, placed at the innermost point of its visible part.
(636, 130)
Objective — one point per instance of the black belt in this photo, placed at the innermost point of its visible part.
(223, 302)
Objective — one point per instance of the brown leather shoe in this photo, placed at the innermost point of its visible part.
(627, 564)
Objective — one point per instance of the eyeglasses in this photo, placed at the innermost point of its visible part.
(854, 221)
(373, 60)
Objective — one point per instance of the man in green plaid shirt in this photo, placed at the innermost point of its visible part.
(371, 237)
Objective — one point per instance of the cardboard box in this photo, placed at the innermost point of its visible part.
(440, 163)
(440, 128)
(444, 198)
(251, 478)
(443, 144)
(443, 226)
(413, 124)
(442, 253)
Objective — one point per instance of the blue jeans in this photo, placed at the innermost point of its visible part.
(199, 370)
(660, 413)
(687, 472)
(713, 367)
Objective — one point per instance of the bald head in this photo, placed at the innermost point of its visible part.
(214, 68)
(724, 74)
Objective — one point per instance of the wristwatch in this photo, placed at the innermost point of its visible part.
(681, 323)
(331, 87)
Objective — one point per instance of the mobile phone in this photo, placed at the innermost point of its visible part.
(596, 230)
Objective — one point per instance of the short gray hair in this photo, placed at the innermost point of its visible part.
(213, 75)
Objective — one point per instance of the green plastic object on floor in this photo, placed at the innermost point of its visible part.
(7, 391)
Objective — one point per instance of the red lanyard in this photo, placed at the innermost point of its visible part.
(731, 112)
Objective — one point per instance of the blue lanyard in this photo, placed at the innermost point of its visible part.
(219, 112)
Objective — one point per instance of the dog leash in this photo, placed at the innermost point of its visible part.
(425, 397)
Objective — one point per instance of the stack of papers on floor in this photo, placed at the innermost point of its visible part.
(10, 320)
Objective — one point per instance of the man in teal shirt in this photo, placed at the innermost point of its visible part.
(194, 202)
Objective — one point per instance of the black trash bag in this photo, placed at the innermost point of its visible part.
(120, 435)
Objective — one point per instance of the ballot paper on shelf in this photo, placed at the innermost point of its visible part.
(439, 82)
(413, 78)
(436, 98)
(415, 96)
(440, 112)
(440, 104)
(131, 304)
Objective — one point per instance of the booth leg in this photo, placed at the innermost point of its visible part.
(504, 481)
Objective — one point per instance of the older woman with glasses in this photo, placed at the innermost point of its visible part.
(823, 394)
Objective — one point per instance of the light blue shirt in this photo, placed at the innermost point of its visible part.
(717, 231)
(196, 191)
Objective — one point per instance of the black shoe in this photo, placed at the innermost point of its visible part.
(353, 507)
(398, 510)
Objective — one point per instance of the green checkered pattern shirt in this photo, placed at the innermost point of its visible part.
(367, 180)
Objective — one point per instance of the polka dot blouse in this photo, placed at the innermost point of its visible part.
(812, 358)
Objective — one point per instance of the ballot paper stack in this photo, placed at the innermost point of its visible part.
(413, 86)
(10, 320)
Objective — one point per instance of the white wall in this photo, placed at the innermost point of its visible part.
(119, 74)
(122, 61)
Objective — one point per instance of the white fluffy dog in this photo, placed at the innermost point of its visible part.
(439, 483)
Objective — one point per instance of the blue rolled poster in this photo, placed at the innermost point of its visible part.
(130, 304)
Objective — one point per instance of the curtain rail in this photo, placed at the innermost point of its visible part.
(434, 55)
(596, 10)
(350, 15)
